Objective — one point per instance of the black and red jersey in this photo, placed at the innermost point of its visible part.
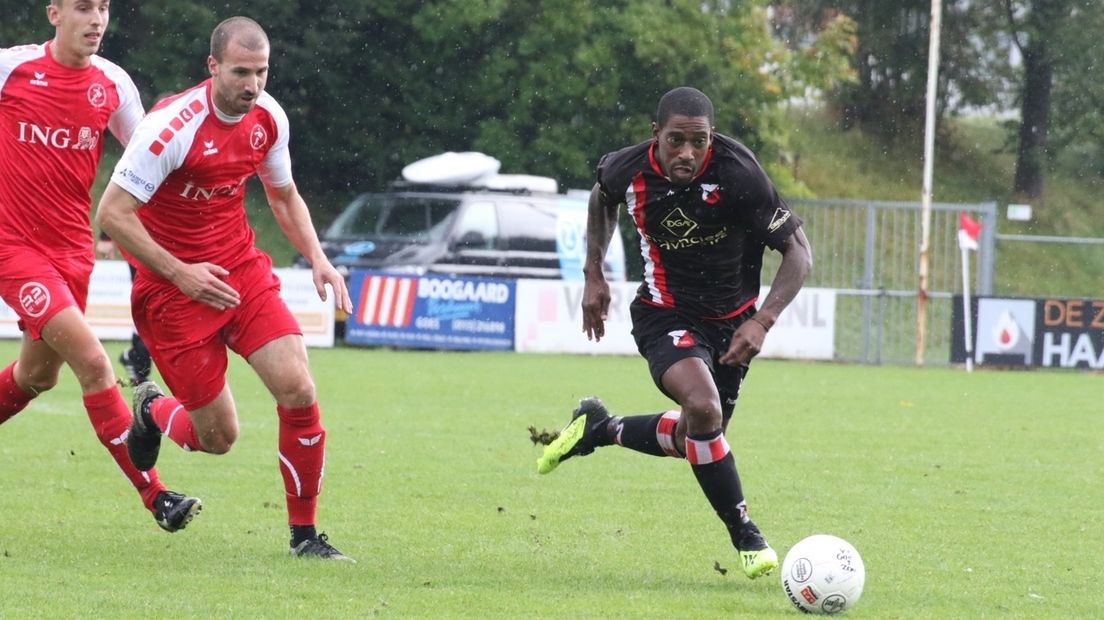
(702, 243)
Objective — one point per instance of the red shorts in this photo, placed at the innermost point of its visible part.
(188, 339)
(37, 287)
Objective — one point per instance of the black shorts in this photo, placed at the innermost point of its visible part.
(664, 337)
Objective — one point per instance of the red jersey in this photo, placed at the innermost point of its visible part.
(188, 162)
(52, 121)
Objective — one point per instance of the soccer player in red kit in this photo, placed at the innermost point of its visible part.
(176, 206)
(56, 100)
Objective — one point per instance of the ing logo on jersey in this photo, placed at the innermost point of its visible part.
(58, 137)
(682, 339)
(97, 95)
(86, 139)
(258, 137)
(678, 224)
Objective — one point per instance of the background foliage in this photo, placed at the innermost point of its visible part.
(545, 86)
(548, 87)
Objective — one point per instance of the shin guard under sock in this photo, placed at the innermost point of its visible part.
(650, 434)
(170, 416)
(110, 418)
(715, 468)
(302, 458)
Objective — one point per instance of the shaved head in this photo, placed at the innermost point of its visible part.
(241, 30)
(684, 101)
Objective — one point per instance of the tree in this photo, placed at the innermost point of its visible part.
(1037, 29)
(1077, 101)
(891, 63)
(545, 86)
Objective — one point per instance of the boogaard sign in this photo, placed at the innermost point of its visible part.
(430, 312)
(1050, 332)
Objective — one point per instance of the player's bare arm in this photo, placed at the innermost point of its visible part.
(293, 216)
(117, 216)
(601, 223)
(797, 261)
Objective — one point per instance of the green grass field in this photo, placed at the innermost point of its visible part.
(968, 496)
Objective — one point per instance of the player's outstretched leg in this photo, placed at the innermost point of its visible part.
(144, 439)
(318, 547)
(756, 556)
(585, 432)
(173, 511)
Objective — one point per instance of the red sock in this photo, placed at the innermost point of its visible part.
(175, 423)
(302, 457)
(12, 397)
(110, 418)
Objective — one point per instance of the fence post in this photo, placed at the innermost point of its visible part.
(987, 250)
(867, 282)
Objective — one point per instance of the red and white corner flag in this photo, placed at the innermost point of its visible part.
(969, 230)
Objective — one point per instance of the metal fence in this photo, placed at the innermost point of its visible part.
(869, 252)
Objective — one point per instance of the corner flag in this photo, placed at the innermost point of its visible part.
(968, 232)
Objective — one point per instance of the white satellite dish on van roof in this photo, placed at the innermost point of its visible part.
(451, 168)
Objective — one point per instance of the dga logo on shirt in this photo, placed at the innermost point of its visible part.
(681, 338)
(97, 95)
(34, 298)
(678, 224)
(258, 137)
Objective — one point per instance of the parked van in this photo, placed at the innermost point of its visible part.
(503, 226)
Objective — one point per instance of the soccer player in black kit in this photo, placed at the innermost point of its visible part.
(705, 212)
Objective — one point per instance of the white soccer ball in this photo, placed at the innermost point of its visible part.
(823, 574)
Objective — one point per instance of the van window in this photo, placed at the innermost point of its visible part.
(529, 227)
(383, 216)
(478, 227)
